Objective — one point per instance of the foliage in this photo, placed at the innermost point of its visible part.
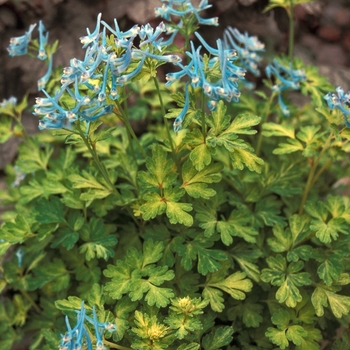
(228, 232)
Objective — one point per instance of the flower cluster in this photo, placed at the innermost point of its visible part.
(285, 79)
(247, 48)
(79, 336)
(340, 101)
(19, 45)
(199, 70)
(181, 8)
(10, 102)
(106, 67)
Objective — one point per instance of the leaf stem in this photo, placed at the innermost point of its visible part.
(115, 346)
(98, 163)
(310, 179)
(204, 126)
(264, 120)
(123, 116)
(166, 122)
(291, 30)
(31, 301)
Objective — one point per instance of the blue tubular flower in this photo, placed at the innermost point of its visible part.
(20, 254)
(127, 77)
(152, 38)
(42, 41)
(166, 58)
(285, 79)
(246, 47)
(123, 63)
(230, 53)
(91, 37)
(12, 101)
(182, 8)
(19, 45)
(79, 336)
(340, 101)
(43, 80)
(90, 116)
(102, 94)
(179, 119)
(122, 35)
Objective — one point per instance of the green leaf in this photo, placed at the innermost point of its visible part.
(311, 340)
(183, 325)
(236, 225)
(17, 231)
(96, 296)
(236, 285)
(326, 230)
(155, 205)
(159, 167)
(217, 339)
(273, 129)
(137, 275)
(287, 240)
(98, 243)
(154, 294)
(242, 124)
(175, 211)
(49, 211)
(54, 273)
(324, 295)
(286, 278)
(249, 311)
(245, 157)
(215, 298)
(201, 152)
(65, 237)
(218, 120)
(68, 306)
(195, 182)
(32, 157)
(197, 249)
(331, 269)
(291, 146)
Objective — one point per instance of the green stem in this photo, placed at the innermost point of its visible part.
(204, 125)
(130, 130)
(263, 120)
(98, 163)
(31, 301)
(310, 179)
(166, 123)
(115, 346)
(291, 30)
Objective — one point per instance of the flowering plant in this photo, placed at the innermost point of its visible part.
(226, 230)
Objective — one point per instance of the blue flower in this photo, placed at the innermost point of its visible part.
(12, 101)
(19, 45)
(42, 41)
(20, 254)
(79, 336)
(91, 37)
(285, 79)
(110, 68)
(246, 48)
(181, 8)
(180, 118)
(43, 80)
(225, 87)
(340, 101)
